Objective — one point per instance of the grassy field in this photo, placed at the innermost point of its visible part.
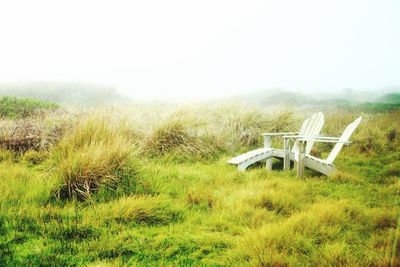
(150, 186)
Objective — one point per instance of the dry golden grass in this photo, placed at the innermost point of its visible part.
(95, 153)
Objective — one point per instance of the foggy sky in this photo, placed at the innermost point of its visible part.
(200, 49)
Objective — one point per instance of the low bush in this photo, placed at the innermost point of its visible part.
(23, 135)
(17, 108)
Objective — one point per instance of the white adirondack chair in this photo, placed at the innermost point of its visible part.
(324, 166)
(311, 126)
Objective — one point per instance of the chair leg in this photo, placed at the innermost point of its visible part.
(267, 144)
(242, 167)
(268, 164)
(301, 163)
(286, 158)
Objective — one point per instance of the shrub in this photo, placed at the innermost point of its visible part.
(12, 107)
(96, 153)
(23, 135)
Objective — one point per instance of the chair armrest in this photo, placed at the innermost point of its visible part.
(268, 136)
(325, 140)
(279, 134)
(321, 139)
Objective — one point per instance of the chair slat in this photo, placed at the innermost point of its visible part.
(343, 138)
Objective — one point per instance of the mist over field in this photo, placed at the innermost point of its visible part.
(180, 50)
(95, 94)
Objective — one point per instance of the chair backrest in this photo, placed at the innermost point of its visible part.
(343, 138)
(312, 127)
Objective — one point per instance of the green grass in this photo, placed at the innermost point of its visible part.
(164, 209)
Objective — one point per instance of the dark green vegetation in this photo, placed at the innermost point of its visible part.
(153, 189)
(17, 108)
(387, 102)
(356, 101)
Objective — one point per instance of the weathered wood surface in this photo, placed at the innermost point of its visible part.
(245, 160)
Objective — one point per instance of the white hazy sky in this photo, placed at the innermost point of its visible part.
(199, 49)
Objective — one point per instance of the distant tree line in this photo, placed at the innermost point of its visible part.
(61, 93)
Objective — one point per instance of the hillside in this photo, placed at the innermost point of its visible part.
(282, 97)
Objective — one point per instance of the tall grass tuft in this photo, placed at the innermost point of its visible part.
(299, 240)
(239, 128)
(96, 153)
(180, 137)
(148, 210)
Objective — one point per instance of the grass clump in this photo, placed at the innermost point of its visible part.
(278, 202)
(20, 184)
(299, 239)
(137, 210)
(244, 127)
(17, 108)
(238, 128)
(200, 198)
(344, 177)
(96, 153)
(179, 138)
(32, 157)
(171, 136)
